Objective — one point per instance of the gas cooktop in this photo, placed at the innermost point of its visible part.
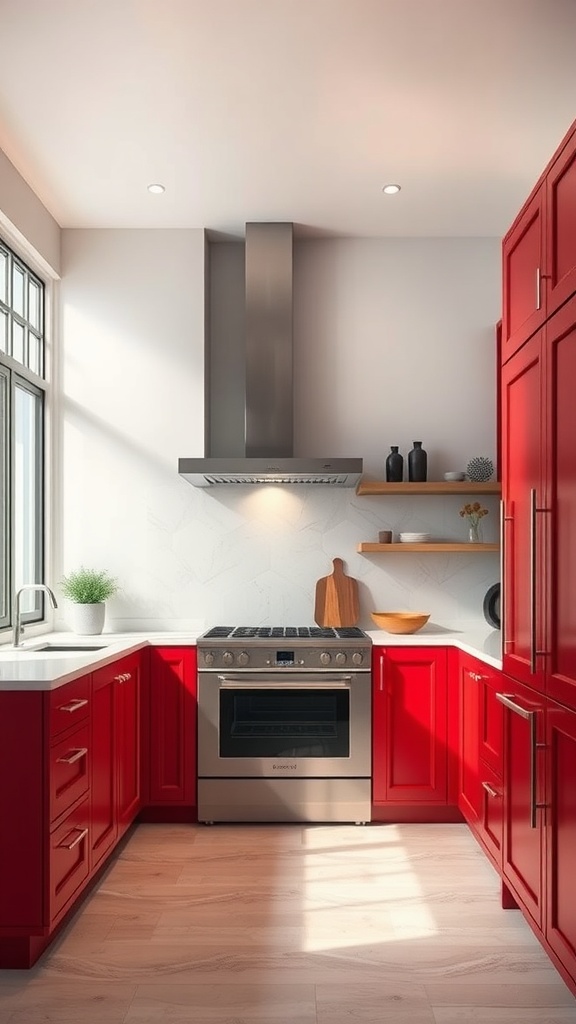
(284, 633)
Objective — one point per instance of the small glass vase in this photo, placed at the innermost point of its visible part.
(474, 533)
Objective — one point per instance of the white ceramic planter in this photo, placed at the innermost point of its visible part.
(87, 619)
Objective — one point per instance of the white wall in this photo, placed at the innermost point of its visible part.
(394, 341)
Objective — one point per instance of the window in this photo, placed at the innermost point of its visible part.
(22, 392)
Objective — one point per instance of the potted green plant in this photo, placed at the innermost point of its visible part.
(88, 590)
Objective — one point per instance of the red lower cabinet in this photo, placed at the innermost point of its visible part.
(172, 731)
(523, 840)
(413, 746)
(127, 708)
(560, 816)
(103, 816)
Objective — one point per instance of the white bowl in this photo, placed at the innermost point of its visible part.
(414, 538)
(454, 476)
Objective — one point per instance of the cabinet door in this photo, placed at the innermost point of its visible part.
(127, 684)
(561, 227)
(561, 499)
(173, 726)
(103, 818)
(490, 718)
(561, 834)
(378, 725)
(469, 791)
(522, 455)
(523, 793)
(415, 740)
(489, 827)
(523, 286)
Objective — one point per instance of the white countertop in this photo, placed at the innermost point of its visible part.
(474, 638)
(26, 669)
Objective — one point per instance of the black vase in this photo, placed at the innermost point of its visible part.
(394, 466)
(417, 463)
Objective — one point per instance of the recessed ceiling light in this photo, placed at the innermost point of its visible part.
(391, 190)
(156, 189)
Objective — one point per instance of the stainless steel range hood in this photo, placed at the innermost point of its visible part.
(268, 396)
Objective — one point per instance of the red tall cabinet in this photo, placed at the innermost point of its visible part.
(539, 583)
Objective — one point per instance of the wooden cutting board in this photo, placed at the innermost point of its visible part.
(337, 602)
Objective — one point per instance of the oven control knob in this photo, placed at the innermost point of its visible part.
(243, 658)
(340, 658)
(325, 658)
(357, 658)
(227, 658)
(209, 659)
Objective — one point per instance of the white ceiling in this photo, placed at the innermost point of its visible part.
(290, 110)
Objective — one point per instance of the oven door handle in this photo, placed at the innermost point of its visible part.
(310, 683)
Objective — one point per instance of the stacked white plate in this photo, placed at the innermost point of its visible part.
(414, 538)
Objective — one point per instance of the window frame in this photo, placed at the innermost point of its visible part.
(16, 375)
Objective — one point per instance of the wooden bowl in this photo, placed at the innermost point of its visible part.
(400, 622)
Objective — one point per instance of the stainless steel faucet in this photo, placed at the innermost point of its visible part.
(16, 613)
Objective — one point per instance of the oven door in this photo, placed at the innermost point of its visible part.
(284, 725)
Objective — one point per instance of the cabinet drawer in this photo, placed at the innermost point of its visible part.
(69, 705)
(69, 858)
(491, 723)
(69, 770)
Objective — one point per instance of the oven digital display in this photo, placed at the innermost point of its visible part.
(285, 658)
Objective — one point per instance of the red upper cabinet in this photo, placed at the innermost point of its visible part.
(523, 309)
(539, 251)
(172, 716)
(410, 715)
(561, 227)
(523, 446)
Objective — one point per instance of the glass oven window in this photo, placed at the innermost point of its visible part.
(286, 723)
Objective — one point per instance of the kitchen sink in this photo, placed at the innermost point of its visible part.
(69, 647)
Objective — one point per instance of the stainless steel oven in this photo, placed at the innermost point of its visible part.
(284, 727)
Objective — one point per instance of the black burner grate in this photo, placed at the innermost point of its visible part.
(284, 632)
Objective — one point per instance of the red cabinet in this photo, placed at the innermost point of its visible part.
(524, 730)
(561, 834)
(411, 755)
(523, 445)
(480, 795)
(172, 732)
(523, 256)
(127, 683)
(103, 816)
(539, 251)
(558, 527)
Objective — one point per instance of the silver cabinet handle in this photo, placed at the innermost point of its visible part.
(529, 716)
(534, 649)
(74, 756)
(82, 833)
(74, 705)
(503, 520)
(490, 789)
(538, 289)
(123, 677)
(475, 676)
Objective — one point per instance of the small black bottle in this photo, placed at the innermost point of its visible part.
(394, 466)
(417, 463)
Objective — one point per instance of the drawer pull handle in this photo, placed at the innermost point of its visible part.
(82, 833)
(490, 789)
(476, 677)
(74, 705)
(73, 756)
(123, 677)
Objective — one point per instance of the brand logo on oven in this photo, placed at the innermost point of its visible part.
(286, 767)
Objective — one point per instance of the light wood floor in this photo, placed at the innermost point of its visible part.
(237, 924)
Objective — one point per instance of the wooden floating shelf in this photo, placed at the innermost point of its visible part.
(382, 487)
(367, 546)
